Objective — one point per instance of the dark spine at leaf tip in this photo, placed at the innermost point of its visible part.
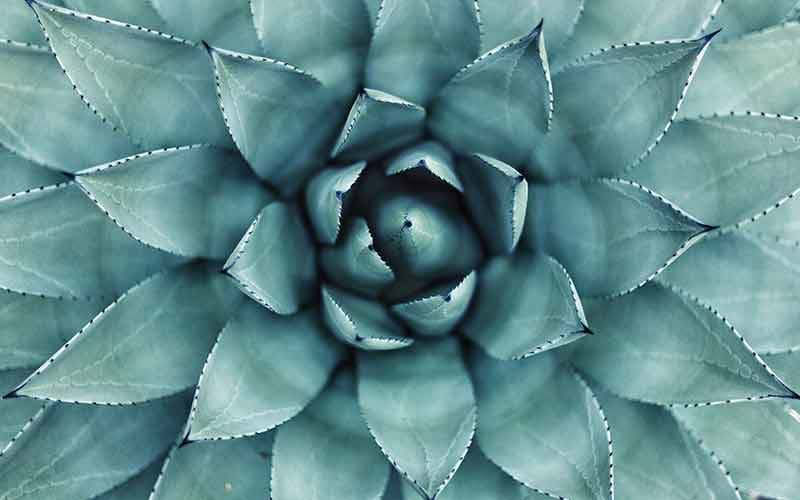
(707, 38)
(208, 47)
(12, 395)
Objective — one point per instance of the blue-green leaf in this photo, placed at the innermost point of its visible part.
(509, 19)
(430, 156)
(325, 196)
(739, 17)
(420, 408)
(138, 487)
(19, 23)
(140, 12)
(274, 263)
(15, 413)
(18, 174)
(786, 364)
(437, 311)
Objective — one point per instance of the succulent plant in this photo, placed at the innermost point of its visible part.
(399, 249)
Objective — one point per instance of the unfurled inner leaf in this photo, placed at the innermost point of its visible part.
(430, 156)
(325, 196)
(438, 310)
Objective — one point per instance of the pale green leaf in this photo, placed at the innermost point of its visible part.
(502, 21)
(80, 451)
(438, 310)
(786, 364)
(420, 408)
(738, 17)
(361, 322)
(378, 122)
(55, 242)
(139, 12)
(264, 370)
(325, 196)
(500, 104)
(757, 442)
(275, 262)
(542, 425)
(136, 488)
(149, 343)
(15, 413)
(327, 453)
(612, 235)
(19, 23)
(430, 156)
(660, 346)
(781, 223)
(43, 119)
(526, 304)
(18, 174)
(418, 45)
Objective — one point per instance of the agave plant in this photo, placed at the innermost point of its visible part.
(399, 249)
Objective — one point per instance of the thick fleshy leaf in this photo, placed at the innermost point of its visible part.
(724, 169)
(80, 451)
(785, 364)
(46, 122)
(354, 262)
(429, 39)
(738, 17)
(282, 118)
(19, 23)
(264, 370)
(612, 235)
(614, 123)
(200, 211)
(542, 425)
(660, 346)
(274, 263)
(238, 469)
(526, 304)
(18, 174)
(497, 197)
(430, 156)
(437, 311)
(149, 343)
(472, 116)
(504, 21)
(757, 442)
(55, 242)
(15, 413)
(327, 452)
(325, 196)
(139, 12)
(781, 223)
(155, 88)
(378, 122)
(136, 488)
(361, 322)
(420, 408)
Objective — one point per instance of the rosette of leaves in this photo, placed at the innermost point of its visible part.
(399, 249)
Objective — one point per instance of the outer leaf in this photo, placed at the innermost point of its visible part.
(327, 451)
(196, 212)
(660, 346)
(542, 425)
(472, 116)
(137, 487)
(235, 470)
(263, 371)
(612, 235)
(430, 39)
(420, 408)
(19, 23)
(55, 242)
(503, 21)
(781, 223)
(738, 17)
(758, 442)
(18, 174)
(526, 304)
(786, 365)
(325, 196)
(149, 343)
(438, 310)
(635, 95)
(80, 451)
(274, 263)
(360, 322)
(725, 169)
(14, 413)
(154, 87)
(430, 156)
(282, 119)
(46, 122)
(140, 12)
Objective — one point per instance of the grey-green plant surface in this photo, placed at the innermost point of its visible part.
(399, 249)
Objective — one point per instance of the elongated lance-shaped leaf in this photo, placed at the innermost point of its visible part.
(200, 211)
(430, 39)
(19, 23)
(682, 351)
(140, 12)
(15, 413)
(46, 122)
(612, 235)
(138, 486)
(757, 442)
(780, 223)
(274, 263)
(438, 310)
(52, 455)
(497, 198)
(325, 199)
(354, 262)
(18, 174)
(55, 242)
(327, 452)
(542, 425)
(361, 322)
(378, 123)
(119, 357)
(238, 469)
(526, 304)
(420, 408)
(281, 118)
(153, 87)
(504, 21)
(264, 370)
(725, 169)
(786, 365)
(636, 92)
(430, 156)
(471, 115)
(740, 17)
